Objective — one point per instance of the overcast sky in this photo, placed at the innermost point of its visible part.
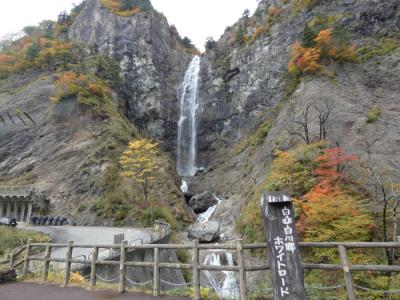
(196, 19)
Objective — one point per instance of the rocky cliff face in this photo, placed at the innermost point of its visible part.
(152, 61)
(71, 151)
(247, 97)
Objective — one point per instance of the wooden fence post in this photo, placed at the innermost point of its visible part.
(122, 267)
(242, 271)
(93, 267)
(26, 259)
(68, 263)
(12, 259)
(195, 269)
(156, 278)
(46, 263)
(346, 271)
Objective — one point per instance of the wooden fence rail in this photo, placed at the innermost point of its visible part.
(241, 268)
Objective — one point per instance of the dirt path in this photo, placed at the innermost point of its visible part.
(32, 291)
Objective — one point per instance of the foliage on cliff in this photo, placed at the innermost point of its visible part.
(127, 8)
(321, 45)
(88, 89)
(42, 46)
(314, 177)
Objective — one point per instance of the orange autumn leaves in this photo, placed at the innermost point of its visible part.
(88, 89)
(331, 210)
(310, 59)
(328, 205)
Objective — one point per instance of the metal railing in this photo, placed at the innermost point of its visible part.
(195, 266)
(21, 191)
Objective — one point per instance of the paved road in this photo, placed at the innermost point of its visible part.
(32, 291)
(91, 235)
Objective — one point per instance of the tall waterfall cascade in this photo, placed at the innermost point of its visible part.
(187, 124)
(225, 284)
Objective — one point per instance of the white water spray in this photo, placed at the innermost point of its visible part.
(227, 288)
(187, 125)
(205, 216)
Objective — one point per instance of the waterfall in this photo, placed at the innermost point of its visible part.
(186, 166)
(187, 124)
(205, 216)
(227, 289)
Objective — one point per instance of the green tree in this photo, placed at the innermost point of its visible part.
(210, 43)
(33, 51)
(187, 43)
(241, 35)
(29, 30)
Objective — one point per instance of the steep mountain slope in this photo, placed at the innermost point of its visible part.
(249, 98)
(78, 105)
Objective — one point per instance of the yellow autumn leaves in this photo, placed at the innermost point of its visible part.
(140, 162)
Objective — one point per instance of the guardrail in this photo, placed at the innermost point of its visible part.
(241, 268)
(15, 190)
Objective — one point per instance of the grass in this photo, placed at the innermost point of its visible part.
(11, 238)
(380, 48)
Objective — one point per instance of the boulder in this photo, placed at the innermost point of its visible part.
(201, 202)
(204, 232)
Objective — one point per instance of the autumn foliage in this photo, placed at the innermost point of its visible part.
(331, 165)
(89, 90)
(140, 162)
(322, 50)
(116, 7)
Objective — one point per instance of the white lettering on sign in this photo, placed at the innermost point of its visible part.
(289, 240)
(283, 245)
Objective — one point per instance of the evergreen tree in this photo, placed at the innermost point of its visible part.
(240, 35)
(210, 43)
(187, 43)
(33, 51)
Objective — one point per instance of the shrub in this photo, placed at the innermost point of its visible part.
(292, 171)
(109, 70)
(374, 114)
(127, 8)
(300, 5)
(274, 11)
(32, 51)
(380, 48)
(11, 238)
(326, 215)
(318, 49)
(89, 90)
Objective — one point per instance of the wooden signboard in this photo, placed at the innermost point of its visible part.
(283, 250)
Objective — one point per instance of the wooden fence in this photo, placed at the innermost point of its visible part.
(241, 268)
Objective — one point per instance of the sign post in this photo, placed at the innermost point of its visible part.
(283, 249)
